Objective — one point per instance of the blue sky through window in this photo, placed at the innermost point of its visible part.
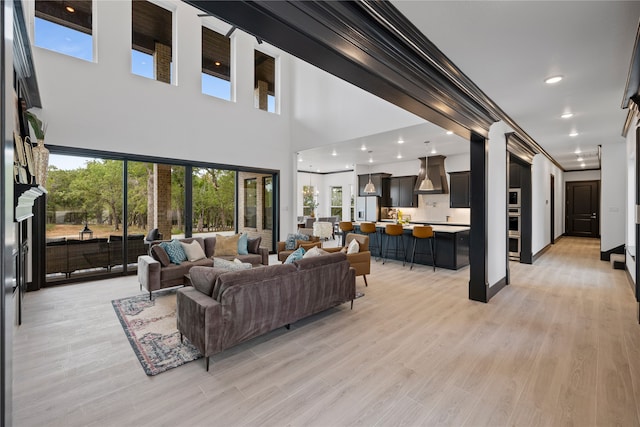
(215, 86)
(141, 64)
(61, 39)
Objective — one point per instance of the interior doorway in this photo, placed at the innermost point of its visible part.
(552, 208)
(583, 209)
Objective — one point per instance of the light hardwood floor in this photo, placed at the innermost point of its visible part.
(559, 346)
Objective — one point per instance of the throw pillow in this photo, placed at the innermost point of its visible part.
(159, 254)
(175, 251)
(290, 243)
(295, 256)
(193, 251)
(354, 247)
(253, 245)
(230, 265)
(314, 252)
(242, 244)
(308, 245)
(226, 245)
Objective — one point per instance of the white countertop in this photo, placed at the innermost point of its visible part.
(437, 227)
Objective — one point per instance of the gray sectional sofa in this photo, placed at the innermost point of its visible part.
(225, 308)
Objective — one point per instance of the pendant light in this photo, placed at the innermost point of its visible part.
(370, 188)
(426, 184)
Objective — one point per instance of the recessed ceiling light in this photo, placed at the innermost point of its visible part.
(400, 141)
(370, 159)
(580, 158)
(300, 159)
(449, 132)
(217, 63)
(574, 133)
(433, 150)
(577, 151)
(363, 148)
(347, 166)
(333, 153)
(552, 80)
(317, 170)
(399, 156)
(567, 115)
(582, 165)
(70, 9)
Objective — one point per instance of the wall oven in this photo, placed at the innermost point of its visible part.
(514, 197)
(514, 247)
(514, 233)
(514, 221)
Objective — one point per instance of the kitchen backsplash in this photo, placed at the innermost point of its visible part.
(435, 207)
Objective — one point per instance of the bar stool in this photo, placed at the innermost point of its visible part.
(395, 231)
(369, 228)
(345, 227)
(423, 232)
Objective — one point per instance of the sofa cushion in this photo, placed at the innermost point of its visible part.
(158, 253)
(315, 251)
(354, 247)
(253, 244)
(204, 278)
(295, 255)
(193, 250)
(230, 265)
(250, 276)
(226, 245)
(290, 243)
(307, 245)
(175, 251)
(242, 244)
(314, 262)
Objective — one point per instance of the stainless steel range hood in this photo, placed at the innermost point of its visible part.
(435, 173)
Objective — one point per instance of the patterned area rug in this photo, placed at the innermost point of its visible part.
(150, 327)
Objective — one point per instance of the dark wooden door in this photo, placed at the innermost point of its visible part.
(552, 208)
(583, 209)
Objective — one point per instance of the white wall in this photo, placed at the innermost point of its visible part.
(630, 220)
(328, 110)
(541, 171)
(103, 106)
(613, 196)
(590, 175)
(497, 203)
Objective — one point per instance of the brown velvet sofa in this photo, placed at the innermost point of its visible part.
(224, 308)
(361, 261)
(153, 276)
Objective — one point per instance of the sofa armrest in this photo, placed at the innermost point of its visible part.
(280, 247)
(148, 273)
(199, 318)
(264, 253)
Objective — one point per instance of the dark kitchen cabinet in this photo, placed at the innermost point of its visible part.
(460, 196)
(401, 193)
(377, 180)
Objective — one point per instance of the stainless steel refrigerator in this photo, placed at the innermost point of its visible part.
(368, 208)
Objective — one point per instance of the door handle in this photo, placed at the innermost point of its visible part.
(593, 216)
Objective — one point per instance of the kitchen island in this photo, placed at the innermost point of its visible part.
(451, 245)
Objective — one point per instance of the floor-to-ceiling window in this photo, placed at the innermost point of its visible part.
(92, 232)
(214, 200)
(84, 214)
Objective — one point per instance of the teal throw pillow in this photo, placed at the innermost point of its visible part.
(175, 251)
(295, 256)
(242, 244)
(290, 243)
